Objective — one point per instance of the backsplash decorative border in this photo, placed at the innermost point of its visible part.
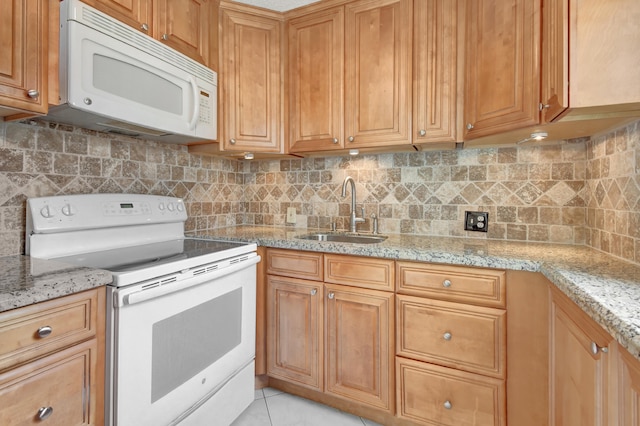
(583, 191)
(532, 193)
(38, 158)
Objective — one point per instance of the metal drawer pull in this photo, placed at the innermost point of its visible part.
(447, 336)
(595, 348)
(45, 331)
(44, 413)
(331, 295)
(446, 283)
(447, 405)
(33, 94)
(335, 140)
(314, 291)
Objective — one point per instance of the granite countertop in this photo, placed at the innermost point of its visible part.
(26, 280)
(606, 288)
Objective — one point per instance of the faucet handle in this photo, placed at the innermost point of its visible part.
(374, 226)
(362, 211)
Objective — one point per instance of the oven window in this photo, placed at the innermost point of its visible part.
(188, 342)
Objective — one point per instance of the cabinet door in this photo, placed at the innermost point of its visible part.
(579, 366)
(378, 73)
(435, 59)
(359, 345)
(294, 330)
(502, 87)
(59, 388)
(629, 389)
(186, 25)
(250, 75)
(23, 56)
(135, 13)
(316, 93)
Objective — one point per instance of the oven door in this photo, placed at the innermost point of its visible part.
(175, 344)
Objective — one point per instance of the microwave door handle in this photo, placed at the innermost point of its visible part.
(196, 103)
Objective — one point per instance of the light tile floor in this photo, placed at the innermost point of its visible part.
(272, 407)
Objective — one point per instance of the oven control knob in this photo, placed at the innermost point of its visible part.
(161, 207)
(68, 210)
(47, 212)
(180, 207)
(170, 207)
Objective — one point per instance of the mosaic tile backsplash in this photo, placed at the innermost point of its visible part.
(583, 191)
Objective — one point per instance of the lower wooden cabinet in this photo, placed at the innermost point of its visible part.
(294, 331)
(359, 347)
(52, 362)
(450, 346)
(55, 388)
(333, 338)
(628, 389)
(433, 395)
(579, 370)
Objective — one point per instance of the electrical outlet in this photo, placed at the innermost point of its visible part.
(476, 221)
(291, 215)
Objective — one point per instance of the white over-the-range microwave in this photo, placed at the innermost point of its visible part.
(114, 78)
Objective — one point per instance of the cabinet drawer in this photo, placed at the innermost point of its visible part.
(70, 319)
(471, 338)
(296, 264)
(477, 286)
(60, 381)
(433, 395)
(358, 271)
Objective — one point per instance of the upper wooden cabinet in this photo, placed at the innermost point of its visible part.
(378, 73)
(316, 84)
(250, 91)
(184, 25)
(135, 13)
(437, 71)
(590, 58)
(502, 86)
(23, 56)
(350, 76)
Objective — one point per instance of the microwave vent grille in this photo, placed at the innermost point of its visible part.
(126, 34)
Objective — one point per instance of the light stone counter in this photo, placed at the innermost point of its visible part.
(607, 289)
(27, 280)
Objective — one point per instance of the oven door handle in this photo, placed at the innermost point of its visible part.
(152, 293)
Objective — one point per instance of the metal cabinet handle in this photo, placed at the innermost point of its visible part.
(33, 93)
(447, 405)
(331, 295)
(447, 336)
(44, 413)
(144, 27)
(314, 292)
(335, 140)
(422, 132)
(351, 138)
(595, 348)
(165, 36)
(232, 141)
(45, 331)
(446, 283)
(469, 126)
(542, 106)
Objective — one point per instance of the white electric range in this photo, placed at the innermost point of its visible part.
(181, 311)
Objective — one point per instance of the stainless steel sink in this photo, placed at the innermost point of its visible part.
(343, 238)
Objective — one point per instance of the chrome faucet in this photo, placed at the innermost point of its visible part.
(354, 220)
